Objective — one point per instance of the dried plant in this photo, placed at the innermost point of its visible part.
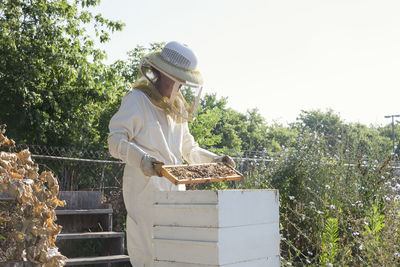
(27, 220)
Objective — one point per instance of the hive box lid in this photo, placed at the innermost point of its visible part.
(222, 208)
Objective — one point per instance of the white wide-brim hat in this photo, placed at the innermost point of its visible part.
(178, 61)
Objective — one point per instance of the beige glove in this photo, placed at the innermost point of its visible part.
(133, 155)
(150, 166)
(225, 159)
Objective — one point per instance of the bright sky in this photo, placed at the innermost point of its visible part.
(280, 56)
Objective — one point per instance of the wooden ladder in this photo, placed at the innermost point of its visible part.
(87, 228)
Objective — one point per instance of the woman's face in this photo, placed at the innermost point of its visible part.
(165, 85)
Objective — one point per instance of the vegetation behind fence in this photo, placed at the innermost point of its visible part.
(334, 212)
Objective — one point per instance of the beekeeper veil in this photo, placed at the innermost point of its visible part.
(179, 63)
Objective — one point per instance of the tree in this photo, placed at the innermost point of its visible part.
(228, 124)
(202, 128)
(386, 131)
(280, 137)
(255, 138)
(54, 84)
(327, 123)
(363, 142)
(248, 131)
(354, 140)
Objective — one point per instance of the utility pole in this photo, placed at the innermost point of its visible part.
(392, 116)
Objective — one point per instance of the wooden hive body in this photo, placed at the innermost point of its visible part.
(216, 228)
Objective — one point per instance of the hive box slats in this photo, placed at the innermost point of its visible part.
(216, 228)
(264, 262)
(241, 234)
(216, 208)
(221, 245)
(186, 197)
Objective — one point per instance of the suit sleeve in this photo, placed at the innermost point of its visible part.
(124, 126)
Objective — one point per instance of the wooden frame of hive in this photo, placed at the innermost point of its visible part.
(165, 171)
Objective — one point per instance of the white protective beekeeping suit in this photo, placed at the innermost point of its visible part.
(148, 125)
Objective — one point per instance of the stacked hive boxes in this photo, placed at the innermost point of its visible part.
(231, 228)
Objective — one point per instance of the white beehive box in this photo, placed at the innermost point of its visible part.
(216, 228)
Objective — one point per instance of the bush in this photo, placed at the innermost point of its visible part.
(336, 210)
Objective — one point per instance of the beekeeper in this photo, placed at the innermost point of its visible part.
(150, 128)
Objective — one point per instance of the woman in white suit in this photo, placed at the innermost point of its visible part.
(150, 128)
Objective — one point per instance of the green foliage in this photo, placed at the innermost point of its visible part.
(228, 124)
(387, 131)
(352, 141)
(329, 242)
(362, 141)
(219, 186)
(54, 84)
(327, 203)
(375, 222)
(327, 122)
(1, 236)
(279, 137)
(239, 132)
(329, 174)
(201, 128)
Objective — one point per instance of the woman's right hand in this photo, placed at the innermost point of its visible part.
(150, 166)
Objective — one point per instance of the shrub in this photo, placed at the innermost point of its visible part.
(336, 210)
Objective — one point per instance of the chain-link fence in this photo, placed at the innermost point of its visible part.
(79, 169)
(85, 169)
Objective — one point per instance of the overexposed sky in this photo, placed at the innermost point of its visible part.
(279, 56)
